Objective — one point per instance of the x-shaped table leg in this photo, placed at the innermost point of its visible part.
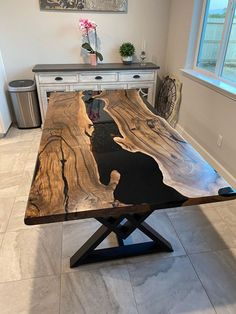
(87, 253)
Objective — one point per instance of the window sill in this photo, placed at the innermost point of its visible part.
(219, 86)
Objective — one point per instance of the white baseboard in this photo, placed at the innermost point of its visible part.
(209, 158)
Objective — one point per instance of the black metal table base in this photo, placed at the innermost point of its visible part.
(122, 226)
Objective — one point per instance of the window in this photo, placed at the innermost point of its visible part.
(216, 55)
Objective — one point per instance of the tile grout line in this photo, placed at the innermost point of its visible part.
(225, 220)
(176, 233)
(127, 267)
(3, 234)
(202, 284)
(199, 252)
(61, 266)
(18, 185)
(60, 293)
(8, 220)
(30, 278)
(212, 251)
(6, 231)
(187, 255)
(207, 250)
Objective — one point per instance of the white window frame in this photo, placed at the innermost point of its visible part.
(217, 75)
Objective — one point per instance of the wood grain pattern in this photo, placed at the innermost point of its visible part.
(182, 167)
(66, 178)
(66, 184)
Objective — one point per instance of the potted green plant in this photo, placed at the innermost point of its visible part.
(127, 51)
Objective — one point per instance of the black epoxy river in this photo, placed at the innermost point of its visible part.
(141, 180)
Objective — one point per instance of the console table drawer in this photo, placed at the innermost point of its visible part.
(112, 86)
(97, 77)
(49, 79)
(108, 76)
(137, 76)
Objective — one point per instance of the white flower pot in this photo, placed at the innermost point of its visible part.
(127, 60)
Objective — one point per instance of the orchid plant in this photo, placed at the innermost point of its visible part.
(88, 27)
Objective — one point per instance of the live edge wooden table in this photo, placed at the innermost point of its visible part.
(108, 156)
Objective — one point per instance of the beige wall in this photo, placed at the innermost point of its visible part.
(204, 112)
(30, 36)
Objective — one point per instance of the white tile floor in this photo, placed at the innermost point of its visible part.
(35, 278)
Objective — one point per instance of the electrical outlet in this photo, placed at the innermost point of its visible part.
(219, 140)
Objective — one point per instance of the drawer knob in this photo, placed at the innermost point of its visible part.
(98, 77)
(58, 78)
(136, 76)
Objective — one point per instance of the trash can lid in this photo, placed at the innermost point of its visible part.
(21, 86)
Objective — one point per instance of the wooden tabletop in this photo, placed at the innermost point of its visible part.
(108, 154)
(89, 67)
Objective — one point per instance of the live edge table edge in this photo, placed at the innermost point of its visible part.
(67, 112)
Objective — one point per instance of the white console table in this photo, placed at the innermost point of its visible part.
(75, 77)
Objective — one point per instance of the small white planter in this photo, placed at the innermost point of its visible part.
(127, 60)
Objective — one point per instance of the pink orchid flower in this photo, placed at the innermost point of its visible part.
(86, 25)
(89, 28)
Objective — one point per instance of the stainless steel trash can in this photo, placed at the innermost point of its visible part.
(25, 103)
